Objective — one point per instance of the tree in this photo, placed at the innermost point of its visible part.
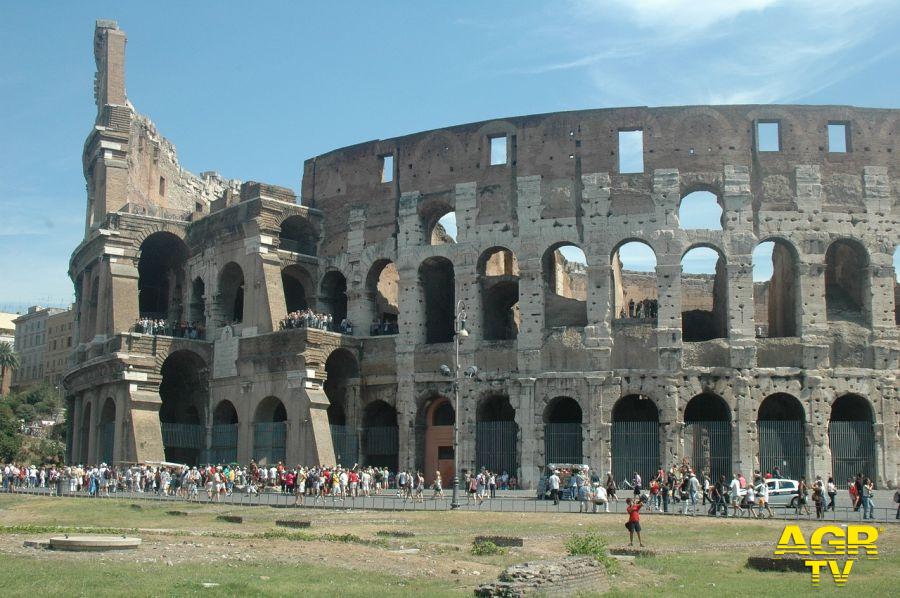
(10, 439)
(9, 361)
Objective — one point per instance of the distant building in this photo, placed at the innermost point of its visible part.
(31, 345)
(7, 335)
(59, 346)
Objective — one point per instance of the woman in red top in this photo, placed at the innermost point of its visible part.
(634, 520)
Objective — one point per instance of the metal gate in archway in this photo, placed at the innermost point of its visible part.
(708, 445)
(382, 444)
(183, 443)
(852, 449)
(782, 443)
(496, 446)
(346, 450)
(635, 448)
(107, 441)
(223, 448)
(563, 443)
(269, 439)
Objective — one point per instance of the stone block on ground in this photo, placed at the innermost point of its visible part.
(504, 541)
(231, 518)
(294, 523)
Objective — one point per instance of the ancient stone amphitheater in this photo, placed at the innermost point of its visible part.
(579, 358)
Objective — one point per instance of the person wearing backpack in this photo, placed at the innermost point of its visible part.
(897, 501)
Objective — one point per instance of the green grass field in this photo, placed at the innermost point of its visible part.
(341, 553)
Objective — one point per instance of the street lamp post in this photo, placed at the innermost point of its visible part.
(460, 332)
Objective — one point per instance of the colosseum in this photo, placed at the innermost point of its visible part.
(526, 309)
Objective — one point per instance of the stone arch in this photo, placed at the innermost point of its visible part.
(298, 288)
(851, 438)
(496, 435)
(565, 285)
(161, 276)
(563, 431)
(438, 217)
(270, 431)
(498, 276)
(382, 296)
(776, 298)
(107, 430)
(198, 302)
(224, 439)
(704, 296)
(707, 435)
(781, 428)
(380, 436)
(231, 294)
(701, 209)
(689, 125)
(437, 287)
(298, 234)
(432, 155)
(633, 283)
(185, 397)
(847, 281)
(333, 297)
(341, 367)
(434, 427)
(635, 439)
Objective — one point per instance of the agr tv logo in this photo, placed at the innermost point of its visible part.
(830, 541)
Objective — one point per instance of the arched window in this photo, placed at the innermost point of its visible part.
(198, 302)
(85, 435)
(707, 435)
(635, 438)
(563, 434)
(270, 431)
(108, 431)
(704, 299)
(851, 437)
(437, 285)
(231, 293)
(498, 273)
(565, 286)
(297, 285)
(782, 436)
(382, 297)
(185, 395)
(776, 285)
(161, 270)
(439, 223)
(334, 297)
(298, 235)
(700, 210)
(443, 415)
(496, 436)
(846, 281)
(634, 289)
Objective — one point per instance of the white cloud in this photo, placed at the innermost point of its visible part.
(677, 15)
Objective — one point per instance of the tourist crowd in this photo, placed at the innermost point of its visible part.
(161, 327)
(306, 318)
(383, 327)
(645, 308)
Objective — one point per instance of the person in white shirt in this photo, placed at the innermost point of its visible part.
(762, 498)
(735, 492)
(751, 500)
(600, 498)
(553, 484)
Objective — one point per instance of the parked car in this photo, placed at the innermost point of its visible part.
(782, 492)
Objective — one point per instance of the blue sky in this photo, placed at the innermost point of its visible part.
(251, 91)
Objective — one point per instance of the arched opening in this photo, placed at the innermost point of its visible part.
(707, 435)
(635, 438)
(563, 435)
(184, 395)
(782, 436)
(296, 283)
(298, 235)
(85, 435)
(161, 276)
(565, 286)
(333, 299)
(851, 436)
(704, 299)
(381, 436)
(231, 294)
(438, 287)
(498, 273)
(440, 418)
(108, 431)
(382, 295)
(700, 210)
(634, 285)
(897, 285)
(270, 431)
(224, 434)
(198, 305)
(846, 282)
(776, 284)
(496, 436)
(341, 371)
(439, 223)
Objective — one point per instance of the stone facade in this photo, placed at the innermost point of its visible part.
(236, 258)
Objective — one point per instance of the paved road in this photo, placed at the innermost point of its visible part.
(522, 501)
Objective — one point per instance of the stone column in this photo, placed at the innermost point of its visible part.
(668, 331)
(530, 448)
